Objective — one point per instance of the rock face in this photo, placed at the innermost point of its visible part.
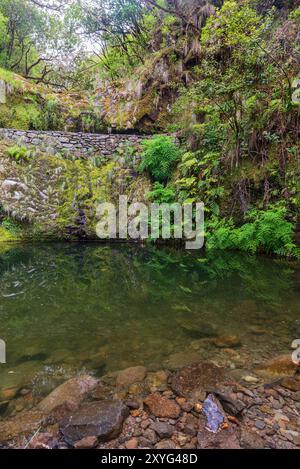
(131, 376)
(197, 379)
(162, 407)
(73, 390)
(103, 420)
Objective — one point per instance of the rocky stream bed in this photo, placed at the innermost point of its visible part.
(199, 406)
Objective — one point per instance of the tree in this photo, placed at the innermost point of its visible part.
(41, 45)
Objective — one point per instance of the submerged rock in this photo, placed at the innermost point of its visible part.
(73, 390)
(158, 380)
(227, 341)
(131, 375)
(103, 420)
(279, 366)
(178, 360)
(295, 329)
(197, 379)
(199, 331)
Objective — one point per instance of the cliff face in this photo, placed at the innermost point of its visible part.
(147, 96)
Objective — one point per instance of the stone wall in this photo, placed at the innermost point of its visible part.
(77, 144)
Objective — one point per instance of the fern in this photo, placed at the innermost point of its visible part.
(159, 157)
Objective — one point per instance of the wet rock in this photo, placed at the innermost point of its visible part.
(279, 366)
(63, 411)
(133, 405)
(293, 384)
(202, 377)
(163, 429)
(251, 440)
(131, 375)
(22, 424)
(225, 439)
(166, 444)
(44, 441)
(150, 435)
(233, 407)
(214, 413)
(250, 379)
(3, 407)
(296, 396)
(162, 407)
(259, 331)
(89, 442)
(73, 390)
(260, 425)
(227, 341)
(8, 393)
(158, 380)
(103, 419)
(132, 444)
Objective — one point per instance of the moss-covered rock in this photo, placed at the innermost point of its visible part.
(28, 106)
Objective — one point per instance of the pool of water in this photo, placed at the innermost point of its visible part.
(65, 308)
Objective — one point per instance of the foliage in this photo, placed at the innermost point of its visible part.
(19, 154)
(161, 194)
(159, 157)
(266, 231)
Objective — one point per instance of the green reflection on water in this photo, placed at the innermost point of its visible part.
(104, 308)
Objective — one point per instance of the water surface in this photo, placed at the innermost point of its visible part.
(65, 308)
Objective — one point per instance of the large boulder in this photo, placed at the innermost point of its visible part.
(74, 390)
(102, 419)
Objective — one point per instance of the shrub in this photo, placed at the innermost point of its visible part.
(267, 231)
(18, 153)
(161, 194)
(159, 158)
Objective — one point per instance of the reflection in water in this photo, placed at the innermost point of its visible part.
(66, 307)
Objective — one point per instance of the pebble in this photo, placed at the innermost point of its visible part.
(260, 425)
(132, 444)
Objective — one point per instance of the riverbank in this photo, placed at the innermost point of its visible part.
(200, 406)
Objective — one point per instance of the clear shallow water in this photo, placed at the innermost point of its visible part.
(65, 308)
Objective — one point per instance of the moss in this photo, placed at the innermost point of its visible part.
(6, 236)
(26, 117)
